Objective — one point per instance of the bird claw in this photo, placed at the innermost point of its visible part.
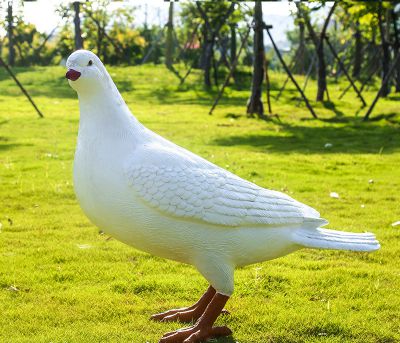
(195, 334)
(183, 315)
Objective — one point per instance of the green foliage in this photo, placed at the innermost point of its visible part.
(215, 12)
(65, 42)
(30, 45)
(111, 34)
(365, 13)
(130, 40)
(348, 17)
(155, 40)
(63, 281)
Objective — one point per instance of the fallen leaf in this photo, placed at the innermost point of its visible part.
(13, 288)
(84, 246)
(334, 195)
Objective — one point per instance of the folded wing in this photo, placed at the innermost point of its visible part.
(211, 194)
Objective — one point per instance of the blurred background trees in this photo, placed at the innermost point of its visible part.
(206, 35)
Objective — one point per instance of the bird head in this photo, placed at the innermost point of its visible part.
(85, 71)
(87, 75)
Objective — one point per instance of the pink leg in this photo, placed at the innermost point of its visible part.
(187, 314)
(203, 329)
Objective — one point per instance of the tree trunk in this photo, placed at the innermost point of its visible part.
(99, 42)
(319, 44)
(386, 54)
(397, 47)
(302, 47)
(210, 32)
(319, 54)
(204, 33)
(208, 55)
(215, 68)
(254, 104)
(321, 68)
(321, 58)
(223, 43)
(77, 22)
(300, 63)
(357, 52)
(11, 49)
(233, 43)
(169, 50)
(233, 49)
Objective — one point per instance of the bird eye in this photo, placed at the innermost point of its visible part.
(90, 63)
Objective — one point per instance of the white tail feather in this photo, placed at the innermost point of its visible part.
(338, 240)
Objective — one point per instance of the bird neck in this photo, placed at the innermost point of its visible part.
(101, 113)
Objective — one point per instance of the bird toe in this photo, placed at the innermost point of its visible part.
(204, 334)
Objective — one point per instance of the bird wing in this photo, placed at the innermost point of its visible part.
(181, 184)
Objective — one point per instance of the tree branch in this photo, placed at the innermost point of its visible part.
(115, 45)
(328, 18)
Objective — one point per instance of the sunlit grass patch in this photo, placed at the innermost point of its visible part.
(61, 280)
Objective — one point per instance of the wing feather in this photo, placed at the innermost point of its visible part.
(215, 196)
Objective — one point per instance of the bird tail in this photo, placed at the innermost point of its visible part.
(337, 240)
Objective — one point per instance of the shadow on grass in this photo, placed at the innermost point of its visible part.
(329, 330)
(367, 138)
(18, 70)
(390, 117)
(331, 106)
(52, 88)
(201, 97)
(8, 146)
(51, 83)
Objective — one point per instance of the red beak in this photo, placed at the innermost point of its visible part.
(72, 75)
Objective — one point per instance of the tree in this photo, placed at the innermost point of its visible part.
(96, 18)
(77, 22)
(396, 46)
(255, 104)
(129, 40)
(300, 55)
(302, 46)
(318, 41)
(373, 22)
(384, 32)
(169, 49)
(214, 19)
(10, 34)
(212, 27)
(358, 47)
(119, 42)
(233, 43)
(302, 50)
(24, 45)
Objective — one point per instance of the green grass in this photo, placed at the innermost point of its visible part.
(62, 281)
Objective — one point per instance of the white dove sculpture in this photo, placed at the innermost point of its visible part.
(160, 198)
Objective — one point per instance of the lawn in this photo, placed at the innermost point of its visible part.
(61, 280)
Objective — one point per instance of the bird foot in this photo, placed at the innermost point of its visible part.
(183, 315)
(195, 334)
